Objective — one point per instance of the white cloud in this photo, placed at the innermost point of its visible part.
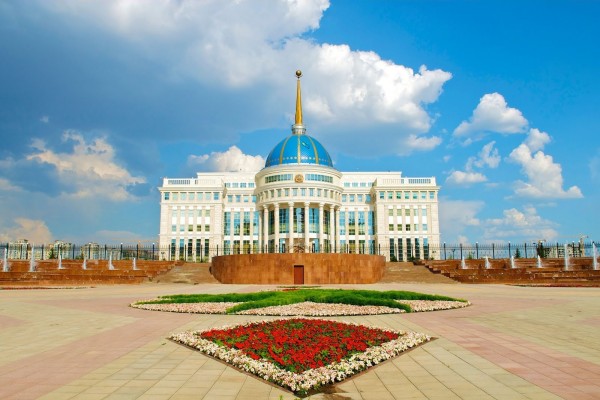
(232, 160)
(456, 216)
(258, 45)
(418, 143)
(45, 119)
(525, 225)
(487, 157)
(462, 178)
(536, 139)
(545, 180)
(89, 170)
(6, 185)
(34, 230)
(492, 114)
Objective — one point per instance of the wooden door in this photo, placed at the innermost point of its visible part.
(298, 274)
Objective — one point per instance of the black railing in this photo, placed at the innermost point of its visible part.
(200, 253)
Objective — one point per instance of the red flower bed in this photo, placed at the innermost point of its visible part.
(298, 345)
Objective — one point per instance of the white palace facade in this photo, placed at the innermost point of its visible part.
(299, 203)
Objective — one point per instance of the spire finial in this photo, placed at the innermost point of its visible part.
(298, 99)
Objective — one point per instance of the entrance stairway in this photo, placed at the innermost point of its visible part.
(191, 273)
(406, 272)
(526, 272)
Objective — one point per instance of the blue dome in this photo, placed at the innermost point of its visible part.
(299, 149)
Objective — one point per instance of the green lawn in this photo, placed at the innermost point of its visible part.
(278, 298)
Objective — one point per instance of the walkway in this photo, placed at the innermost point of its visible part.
(513, 343)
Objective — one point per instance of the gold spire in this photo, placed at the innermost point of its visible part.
(298, 100)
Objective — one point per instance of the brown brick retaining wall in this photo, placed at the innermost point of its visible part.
(279, 268)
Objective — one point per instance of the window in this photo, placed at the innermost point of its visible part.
(416, 227)
(175, 196)
(181, 228)
(167, 195)
(424, 212)
(407, 227)
(381, 195)
(415, 195)
(206, 228)
(431, 195)
(368, 198)
(245, 198)
(183, 196)
(354, 184)
(303, 192)
(371, 228)
(173, 228)
(391, 212)
(423, 195)
(406, 195)
(230, 198)
(238, 198)
(344, 198)
(236, 223)
(391, 227)
(294, 192)
(359, 198)
(311, 192)
(198, 228)
(390, 195)
(398, 195)
(277, 178)
(319, 192)
(243, 184)
(342, 222)
(407, 212)
(424, 226)
(313, 221)
(283, 220)
(399, 212)
(351, 222)
(199, 195)
(251, 185)
(287, 192)
(361, 222)
(253, 198)
(191, 196)
(207, 213)
(246, 222)
(352, 197)
(190, 228)
(399, 227)
(227, 223)
(215, 196)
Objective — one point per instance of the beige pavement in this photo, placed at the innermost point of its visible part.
(513, 343)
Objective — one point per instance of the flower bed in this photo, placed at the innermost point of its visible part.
(301, 354)
(311, 309)
(191, 308)
(433, 305)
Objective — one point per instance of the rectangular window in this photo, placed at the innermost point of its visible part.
(243, 184)
(175, 196)
(181, 228)
(415, 195)
(398, 195)
(271, 222)
(287, 193)
(167, 195)
(352, 197)
(342, 222)
(283, 220)
(344, 198)
(381, 195)
(311, 192)
(424, 227)
(246, 222)
(207, 213)
(255, 223)
(190, 228)
(236, 223)
(215, 196)
(183, 196)
(391, 227)
(361, 222)
(424, 212)
(371, 228)
(314, 220)
(303, 192)
(407, 227)
(399, 212)
(423, 195)
(227, 223)
(230, 198)
(431, 195)
(198, 228)
(416, 227)
(407, 212)
(246, 198)
(173, 228)
(206, 228)
(191, 196)
(351, 222)
(199, 195)
(299, 220)
(399, 227)
(390, 195)
(368, 198)
(294, 192)
(390, 212)
(359, 198)
(238, 198)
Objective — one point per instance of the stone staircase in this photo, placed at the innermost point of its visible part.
(47, 272)
(526, 272)
(191, 273)
(406, 272)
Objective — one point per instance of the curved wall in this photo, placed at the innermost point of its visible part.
(279, 268)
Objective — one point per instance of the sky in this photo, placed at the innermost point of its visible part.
(101, 99)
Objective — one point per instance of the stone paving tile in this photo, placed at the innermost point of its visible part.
(513, 343)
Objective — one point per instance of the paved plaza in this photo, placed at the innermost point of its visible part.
(512, 343)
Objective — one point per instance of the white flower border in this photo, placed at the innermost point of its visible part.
(307, 309)
(310, 379)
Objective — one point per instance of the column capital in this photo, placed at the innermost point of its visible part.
(306, 204)
(321, 205)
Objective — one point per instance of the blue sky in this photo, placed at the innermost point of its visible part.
(496, 99)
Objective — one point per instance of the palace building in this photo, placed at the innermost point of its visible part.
(299, 202)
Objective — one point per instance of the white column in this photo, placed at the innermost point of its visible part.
(276, 227)
(331, 228)
(251, 230)
(265, 228)
(337, 229)
(306, 227)
(291, 226)
(321, 227)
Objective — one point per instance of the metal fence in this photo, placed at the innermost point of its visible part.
(199, 253)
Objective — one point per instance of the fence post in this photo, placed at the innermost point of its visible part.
(137, 251)
(121, 256)
(42, 252)
(493, 251)
(444, 250)
(509, 253)
(152, 251)
(525, 249)
(477, 250)
(73, 252)
(461, 255)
